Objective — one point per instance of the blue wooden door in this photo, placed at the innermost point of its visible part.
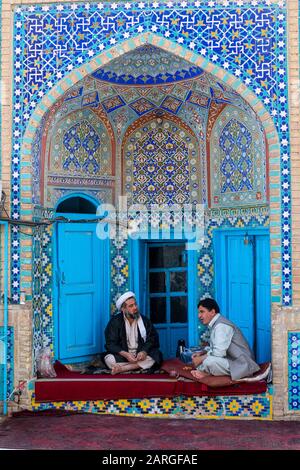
(262, 298)
(240, 299)
(242, 285)
(79, 291)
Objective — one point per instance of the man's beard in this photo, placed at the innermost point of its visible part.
(132, 316)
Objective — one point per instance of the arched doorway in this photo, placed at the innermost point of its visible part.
(196, 102)
(80, 281)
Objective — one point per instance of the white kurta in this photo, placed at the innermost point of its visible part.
(132, 344)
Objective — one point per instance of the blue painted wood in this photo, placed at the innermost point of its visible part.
(193, 322)
(220, 269)
(170, 331)
(240, 297)
(263, 301)
(242, 284)
(80, 287)
(138, 274)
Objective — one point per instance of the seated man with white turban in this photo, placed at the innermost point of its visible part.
(132, 342)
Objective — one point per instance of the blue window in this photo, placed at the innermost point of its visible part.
(167, 288)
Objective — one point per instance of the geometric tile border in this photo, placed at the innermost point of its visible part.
(222, 407)
(43, 322)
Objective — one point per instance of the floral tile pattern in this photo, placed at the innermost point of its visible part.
(65, 36)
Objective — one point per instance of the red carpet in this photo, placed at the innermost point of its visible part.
(69, 386)
(71, 431)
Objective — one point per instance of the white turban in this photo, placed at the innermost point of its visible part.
(123, 298)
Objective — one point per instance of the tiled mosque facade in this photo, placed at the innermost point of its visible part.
(166, 103)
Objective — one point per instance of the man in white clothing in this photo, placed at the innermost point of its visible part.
(228, 352)
(132, 342)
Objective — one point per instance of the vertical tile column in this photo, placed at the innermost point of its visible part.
(294, 90)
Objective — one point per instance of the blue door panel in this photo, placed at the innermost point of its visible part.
(79, 334)
(263, 302)
(79, 267)
(239, 311)
(175, 335)
(242, 284)
(163, 340)
(79, 252)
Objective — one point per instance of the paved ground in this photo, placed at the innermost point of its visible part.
(76, 431)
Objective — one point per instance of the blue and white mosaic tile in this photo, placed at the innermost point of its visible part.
(246, 39)
(10, 360)
(220, 407)
(294, 370)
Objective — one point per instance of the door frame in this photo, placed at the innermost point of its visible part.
(221, 292)
(104, 279)
(135, 279)
(220, 287)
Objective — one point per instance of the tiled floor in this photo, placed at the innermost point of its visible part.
(75, 431)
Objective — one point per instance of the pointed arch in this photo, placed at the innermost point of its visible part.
(255, 191)
(148, 38)
(95, 117)
(272, 139)
(192, 148)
